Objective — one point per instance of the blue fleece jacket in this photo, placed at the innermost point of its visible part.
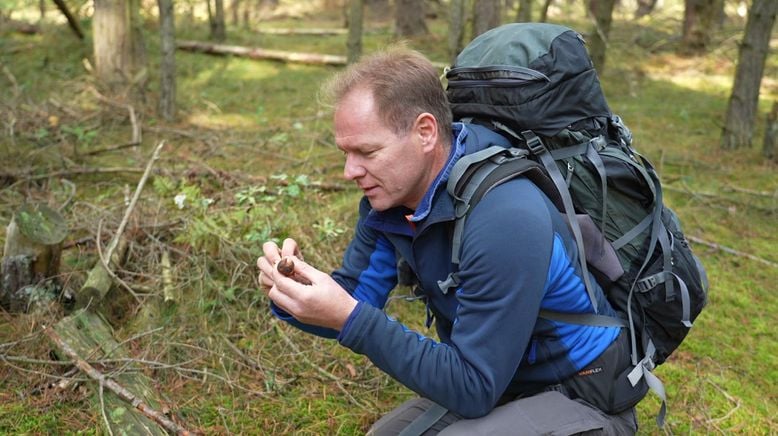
(517, 258)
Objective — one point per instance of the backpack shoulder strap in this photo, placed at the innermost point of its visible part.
(476, 174)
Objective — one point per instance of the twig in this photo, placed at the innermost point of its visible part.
(732, 251)
(72, 194)
(338, 381)
(70, 172)
(730, 398)
(253, 364)
(11, 79)
(102, 410)
(112, 148)
(767, 194)
(106, 263)
(114, 387)
(131, 206)
(168, 288)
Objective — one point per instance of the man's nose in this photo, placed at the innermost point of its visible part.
(352, 169)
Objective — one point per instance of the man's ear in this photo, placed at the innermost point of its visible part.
(426, 129)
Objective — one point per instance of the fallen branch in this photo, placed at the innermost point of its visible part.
(136, 195)
(72, 21)
(101, 276)
(114, 387)
(260, 53)
(301, 31)
(112, 148)
(732, 251)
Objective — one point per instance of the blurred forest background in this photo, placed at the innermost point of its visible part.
(147, 149)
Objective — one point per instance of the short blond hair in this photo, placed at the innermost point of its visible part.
(404, 84)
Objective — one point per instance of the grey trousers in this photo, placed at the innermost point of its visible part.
(548, 413)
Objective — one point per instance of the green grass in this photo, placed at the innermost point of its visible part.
(247, 130)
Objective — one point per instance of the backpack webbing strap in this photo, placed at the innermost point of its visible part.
(633, 232)
(647, 283)
(424, 421)
(589, 319)
(596, 160)
(643, 370)
(537, 148)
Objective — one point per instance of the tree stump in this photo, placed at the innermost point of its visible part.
(31, 256)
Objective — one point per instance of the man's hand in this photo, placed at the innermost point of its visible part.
(272, 254)
(322, 303)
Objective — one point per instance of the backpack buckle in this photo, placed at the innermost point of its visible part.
(534, 144)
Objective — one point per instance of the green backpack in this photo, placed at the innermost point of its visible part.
(535, 84)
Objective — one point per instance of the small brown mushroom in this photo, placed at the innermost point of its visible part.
(286, 267)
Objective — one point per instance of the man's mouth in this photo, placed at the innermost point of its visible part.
(369, 189)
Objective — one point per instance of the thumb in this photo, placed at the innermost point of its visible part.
(306, 271)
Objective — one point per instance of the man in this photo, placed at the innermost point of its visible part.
(498, 368)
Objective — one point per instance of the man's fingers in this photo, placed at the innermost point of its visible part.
(304, 270)
(264, 282)
(271, 251)
(290, 248)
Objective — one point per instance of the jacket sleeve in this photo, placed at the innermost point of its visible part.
(506, 250)
(368, 273)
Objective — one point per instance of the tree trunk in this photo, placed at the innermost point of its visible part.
(31, 257)
(701, 19)
(378, 9)
(645, 7)
(741, 110)
(525, 11)
(602, 12)
(355, 20)
(409, 18)
(544, 11)
(218, 27)
(235, 12)
(167, 66)
(117, 44)
(771, 134)
(486, 15)
(456, 28)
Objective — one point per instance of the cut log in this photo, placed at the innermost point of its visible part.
(99, 280)
(260, 53)
(88, 336)
(31, 256)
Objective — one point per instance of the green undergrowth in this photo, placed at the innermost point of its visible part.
(251, 158)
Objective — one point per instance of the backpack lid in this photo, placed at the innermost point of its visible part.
(529, 76)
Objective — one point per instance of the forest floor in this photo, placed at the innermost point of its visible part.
(251, 157)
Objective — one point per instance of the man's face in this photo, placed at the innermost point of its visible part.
(390, 169)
